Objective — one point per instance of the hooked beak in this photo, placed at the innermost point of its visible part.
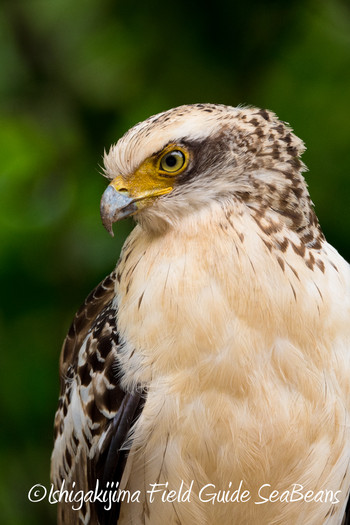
(115, 205)
(123, 198)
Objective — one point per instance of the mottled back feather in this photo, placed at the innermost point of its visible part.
(94, 414)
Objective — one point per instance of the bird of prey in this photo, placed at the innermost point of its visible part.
(207, 378)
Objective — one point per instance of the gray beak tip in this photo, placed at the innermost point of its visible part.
(109, 228)
(115, 205)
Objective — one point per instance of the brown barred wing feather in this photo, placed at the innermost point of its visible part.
(95, 415)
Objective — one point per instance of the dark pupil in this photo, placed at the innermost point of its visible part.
(170, 161)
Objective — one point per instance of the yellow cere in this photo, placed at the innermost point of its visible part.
(155, 176)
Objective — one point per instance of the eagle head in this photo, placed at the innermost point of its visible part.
(179, 161)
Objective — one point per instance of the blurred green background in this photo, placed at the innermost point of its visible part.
(74, 77)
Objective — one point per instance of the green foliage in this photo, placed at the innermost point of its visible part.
(75, 76)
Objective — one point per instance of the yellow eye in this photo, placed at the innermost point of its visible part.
(173, 161)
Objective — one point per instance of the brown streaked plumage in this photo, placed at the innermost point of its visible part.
(218, 352)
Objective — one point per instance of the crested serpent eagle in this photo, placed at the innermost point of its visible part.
(215, 358)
